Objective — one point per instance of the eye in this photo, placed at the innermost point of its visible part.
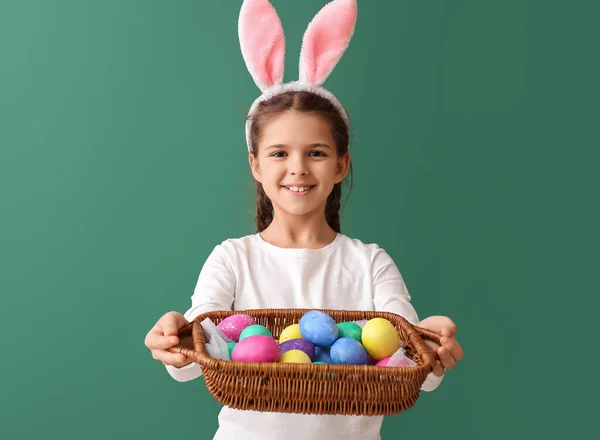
(317, 153)
(278, 154)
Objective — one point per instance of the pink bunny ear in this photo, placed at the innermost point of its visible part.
(326, 40)
(262, 42)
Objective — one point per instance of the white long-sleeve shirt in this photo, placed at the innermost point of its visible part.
(250, 273)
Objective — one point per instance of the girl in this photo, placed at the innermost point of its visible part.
(298, 143)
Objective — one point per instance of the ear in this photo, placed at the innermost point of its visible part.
(326, 40)
(343, 166)
(262, 42)
(255, 167)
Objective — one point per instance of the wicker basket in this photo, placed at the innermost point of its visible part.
(313, 388)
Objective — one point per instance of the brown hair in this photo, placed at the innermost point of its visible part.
(304, 102)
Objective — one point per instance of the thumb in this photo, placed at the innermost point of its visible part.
(170, 324)
(439, 324)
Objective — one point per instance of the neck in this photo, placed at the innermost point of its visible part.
(303, 232)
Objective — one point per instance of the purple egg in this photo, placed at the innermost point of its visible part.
(298, 344)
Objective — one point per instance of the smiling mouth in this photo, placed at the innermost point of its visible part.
(299, 189)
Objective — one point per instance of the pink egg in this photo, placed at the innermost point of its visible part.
(398, 362)
(234, 325)
(383, 362)
(258, 348)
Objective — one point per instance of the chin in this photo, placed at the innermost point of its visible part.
(300, 211)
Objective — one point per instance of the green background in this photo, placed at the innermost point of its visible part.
(123, 163)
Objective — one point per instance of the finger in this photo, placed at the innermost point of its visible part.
(169, 325)
(168, 358)
(453, 347)
(449, 330)
(160, 342)
(149, 340)
(438, 370)
(446, 358)
(457, 351)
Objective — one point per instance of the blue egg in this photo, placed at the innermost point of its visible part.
(319, 328)
(348, 351)
(322, 355)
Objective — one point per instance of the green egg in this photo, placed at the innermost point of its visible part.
(254, 330)
(230, 345)
(350, 330)
(319, 363)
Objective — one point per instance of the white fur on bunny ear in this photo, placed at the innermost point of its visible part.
(262, 42)
(326, 40)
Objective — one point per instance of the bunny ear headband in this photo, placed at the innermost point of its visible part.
(263, 47)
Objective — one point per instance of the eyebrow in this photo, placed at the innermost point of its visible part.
(316, 145)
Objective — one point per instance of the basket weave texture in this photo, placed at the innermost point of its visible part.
(313, 388)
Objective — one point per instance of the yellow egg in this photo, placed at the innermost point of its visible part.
(295, 357)
(291, 332)
(380, 339)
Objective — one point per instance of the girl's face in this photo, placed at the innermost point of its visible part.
(297, 163)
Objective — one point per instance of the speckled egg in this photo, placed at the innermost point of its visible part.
(322, 355)
(348, 351)
(380, 339)
(290, 332)
(319, 328)
(298, 344)
(257, 348)
(256, 329)
(295, 357)
(233, 325)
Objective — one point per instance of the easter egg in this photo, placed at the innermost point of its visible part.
(383, 362)
(295, 357)
(399, 361)
(322, 355)
(257, 348)
(233, 325)
(290, 332)
(298, 344)
(230, 346)
(380, 339)
(349, 330)
(319, 328)
(256, 329)
(348, 351)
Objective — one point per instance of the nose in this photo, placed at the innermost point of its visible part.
(298, 166)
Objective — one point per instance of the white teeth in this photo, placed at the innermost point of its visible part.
(298, 188)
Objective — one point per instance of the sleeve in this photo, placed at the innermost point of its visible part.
(391, 295)
(215, 290)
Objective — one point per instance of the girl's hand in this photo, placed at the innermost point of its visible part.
(163, 336)
(450, 352)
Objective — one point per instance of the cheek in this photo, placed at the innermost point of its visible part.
(328, 170)
(271, 172)
(271, 177)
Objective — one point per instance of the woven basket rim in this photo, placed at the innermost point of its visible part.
(200, 356)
